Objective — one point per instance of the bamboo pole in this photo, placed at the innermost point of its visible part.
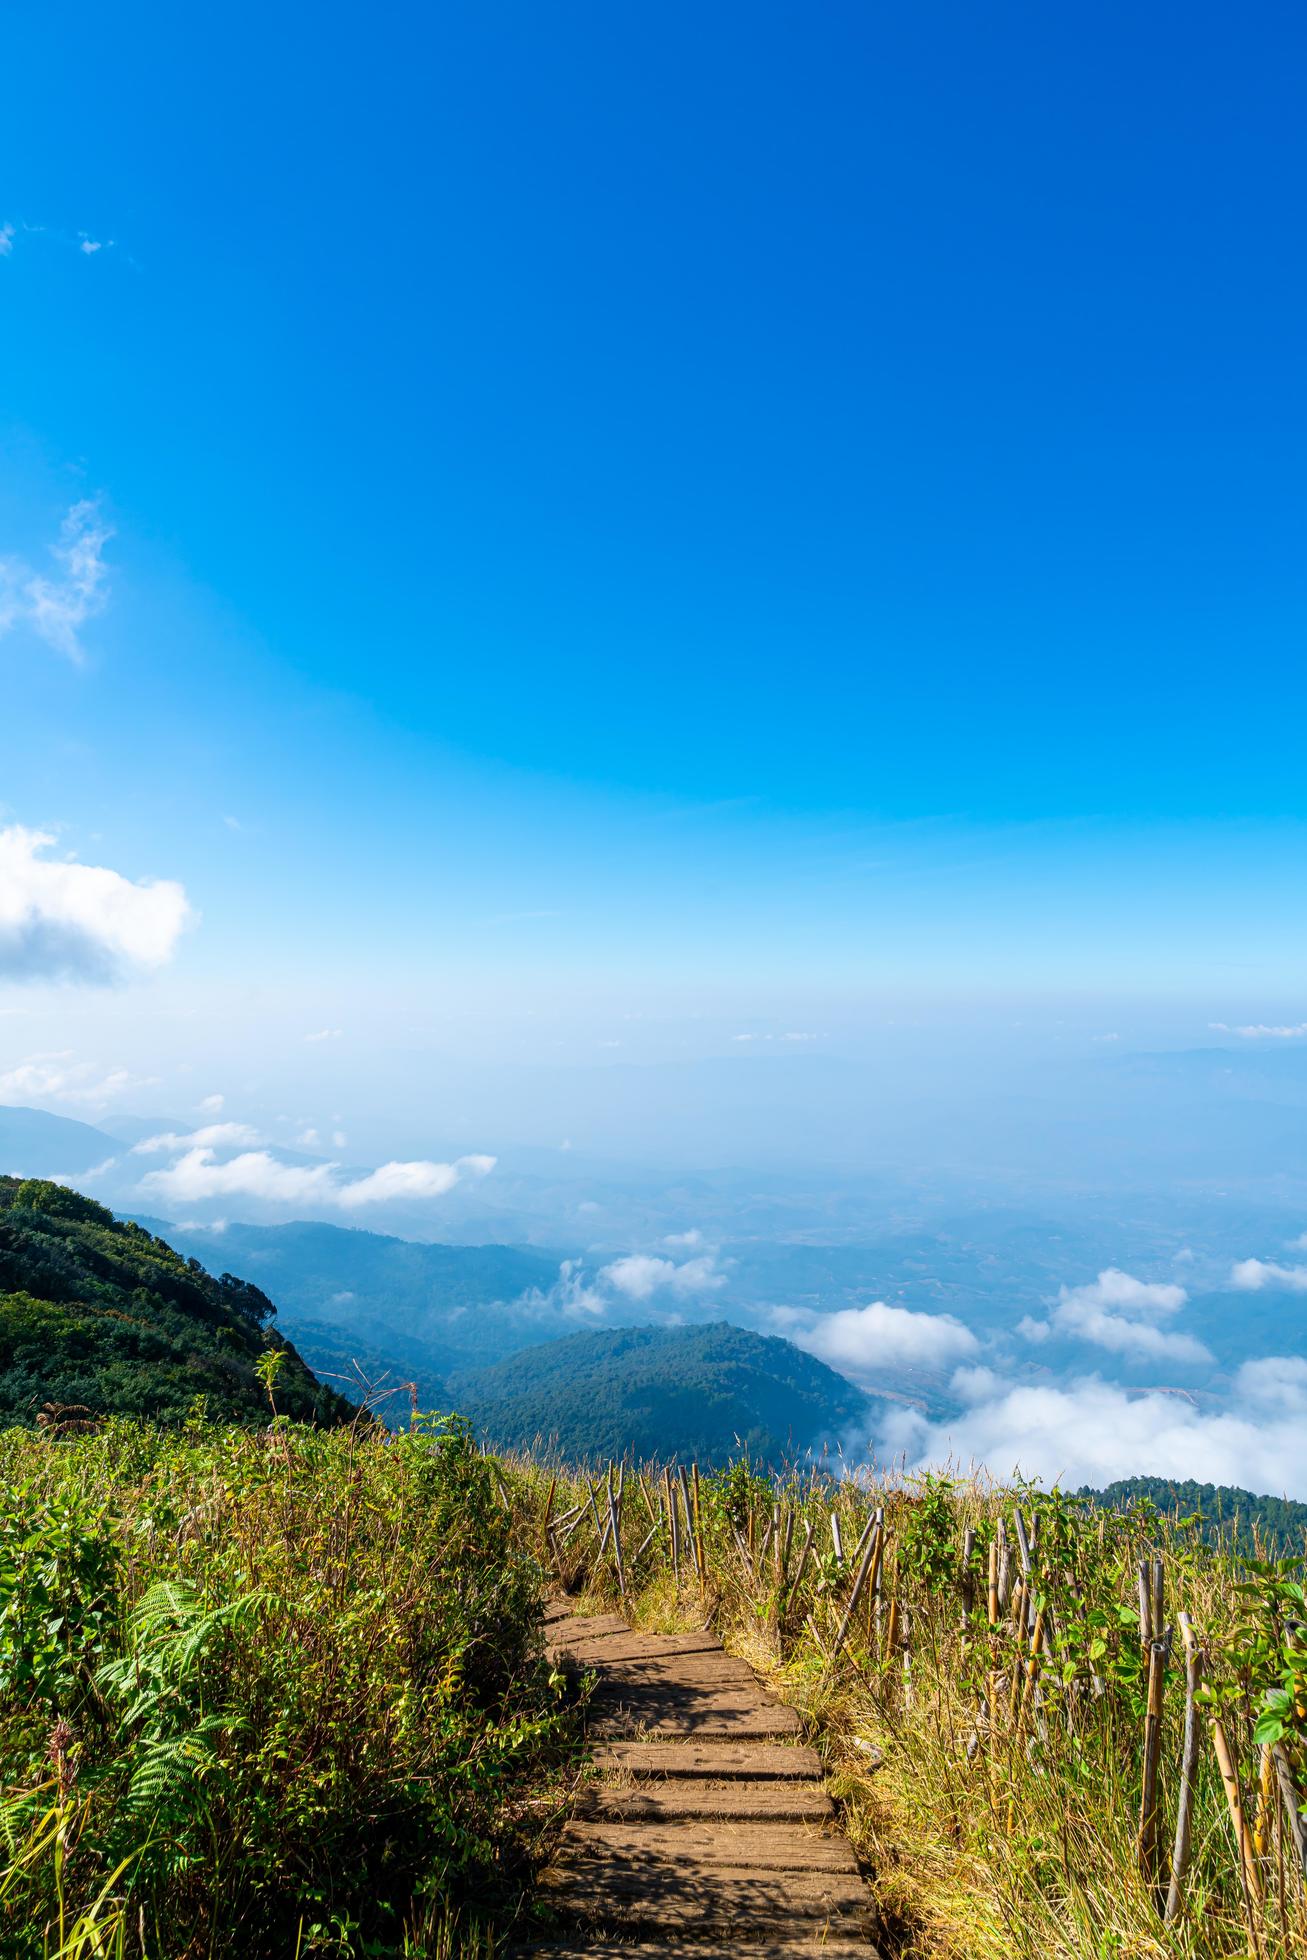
(1230, 1781)
(1184, 1813)
(1292, 1804)
(698, 1536)
(868, 1550)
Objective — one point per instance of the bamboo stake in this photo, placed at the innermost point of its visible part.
(1292, 1806)
(1184, 1814)
(698, 1536)
(835, 1538)
(673, 1527)
(868, 1550)
(1229, 1778)
(614, 1502)
(1265, 1804)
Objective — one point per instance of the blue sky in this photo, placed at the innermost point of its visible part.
(744, 521)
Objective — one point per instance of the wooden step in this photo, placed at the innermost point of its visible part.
(628, 1646)
(745, 1845)
(701, 1898)
(815, 1947)
(798, 1803)
(717, 1759)
(734, 1714)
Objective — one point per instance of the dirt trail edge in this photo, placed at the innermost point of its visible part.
(708, 1828)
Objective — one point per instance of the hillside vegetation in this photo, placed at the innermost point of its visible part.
(692, 1392)
(260, 1694)
(101, 1316)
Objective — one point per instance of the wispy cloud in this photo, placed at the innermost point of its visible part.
(210, 1136)
(1259, 1031)
(59, 1077)
(1263, 1275)
(63, 920)
(57, 606)
(6, 240)
(325, 1034)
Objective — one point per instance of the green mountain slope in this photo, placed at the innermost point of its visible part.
(1275, 1525)
(426, 1307)
(103, 1315)
(698, 1392)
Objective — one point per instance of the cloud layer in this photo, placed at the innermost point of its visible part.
(1091, 1432)
(61, 920)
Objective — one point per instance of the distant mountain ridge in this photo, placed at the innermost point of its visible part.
(703, 1393)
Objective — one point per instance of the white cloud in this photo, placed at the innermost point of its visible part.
(210, 1136)
(325, 1034)
(197, 1176)
(687, 1239)
(59, 1077)
(6, 240)
(865, 1342)
(56, 607)
(1260, 1032)
(1118, 1312)
(415, 1180)
(89, 245)
(640, 1275)
(1258, 1275)
(210, 1105)
(61, 919)
(1092, 1432)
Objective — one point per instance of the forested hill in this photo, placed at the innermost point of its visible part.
(1227, 1513)
(699, 1393)
(102, 1315)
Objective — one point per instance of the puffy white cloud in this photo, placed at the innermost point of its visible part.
(61, 919)
(1093, 1431)
(59, 1077)
(1258, 1275)
(415, 1180)
(640, 1275)
(686, 1239)
(57, 606)
(198, 1176)
(1118, 1312)
(865, 1342)
(210, 1136)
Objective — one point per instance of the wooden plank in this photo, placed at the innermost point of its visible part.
(716, 1759)
(623, 1645)
(566, 1633)
(815, 1947)
(734, 1901)
(662, 1803)
(745, 1845)
(658, 1670)
(676, 1710)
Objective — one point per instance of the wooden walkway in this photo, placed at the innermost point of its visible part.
(707, 1829)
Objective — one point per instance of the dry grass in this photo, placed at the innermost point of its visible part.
(1016, 1837)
